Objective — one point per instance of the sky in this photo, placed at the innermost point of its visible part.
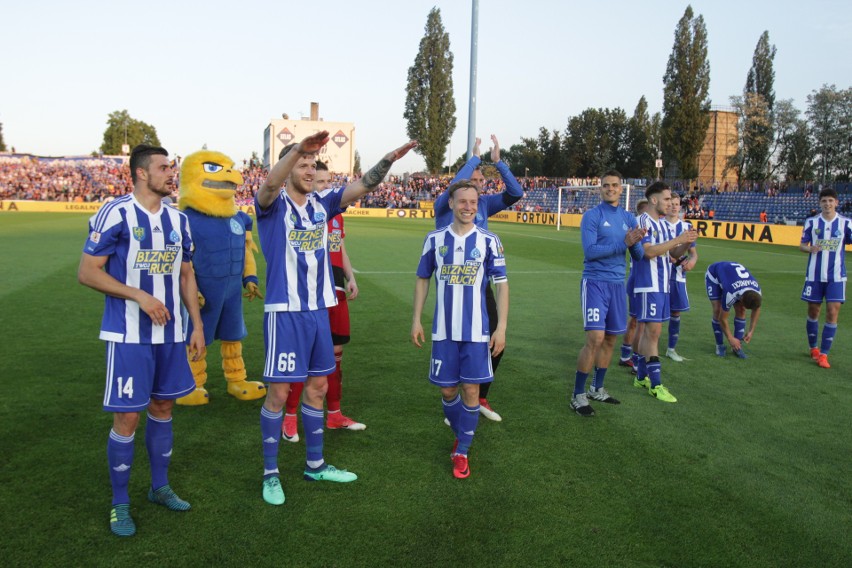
(217, 72)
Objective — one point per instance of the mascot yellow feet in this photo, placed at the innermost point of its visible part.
(197, 397)
(247, 390)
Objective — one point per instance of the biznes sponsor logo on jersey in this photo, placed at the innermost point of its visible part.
(829, 245)
(334, 241)
(157, 261)
(304, 240)
(461, 274)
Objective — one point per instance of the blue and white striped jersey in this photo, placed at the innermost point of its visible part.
(677, 228)
(462, 266)
(652, 275)
(829, 264)
(734, 279)
(294, 241)
(145, 251)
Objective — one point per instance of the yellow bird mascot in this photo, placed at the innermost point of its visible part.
(224, 263)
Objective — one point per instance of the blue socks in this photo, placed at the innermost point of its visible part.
(717, 332)
(598, 381)
(158, 441)
(270, 431)
(580, 382)
(312, 422)
(452, 408)
(641, 367)
(120, 460)
(828, 331)
(654, 371)
(674, 331)
(739, 328)
(468, 419)
(626, 351)
(812, 327)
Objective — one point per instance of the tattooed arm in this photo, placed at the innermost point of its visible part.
(371, 180)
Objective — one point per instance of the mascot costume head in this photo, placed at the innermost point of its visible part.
(223, 261)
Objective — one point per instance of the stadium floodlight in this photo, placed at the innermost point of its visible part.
(586, 197)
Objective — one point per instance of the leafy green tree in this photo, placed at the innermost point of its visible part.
(552, 158)
(793, 151)
(2, 142)
(686, 103)
(430, 108)
(356, 167)
(830, 117)
(640, 148)
(586, 143)
(524, 159)
(756, 123)
(121, 127)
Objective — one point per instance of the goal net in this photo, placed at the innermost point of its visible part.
(580, 198)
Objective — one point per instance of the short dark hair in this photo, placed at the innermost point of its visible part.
(322, 166)
(751, 300)
(611, 173)
(140, 157)
(641, 203)
(286, 149)
(655, 188)
(461, 184)
(828, 192)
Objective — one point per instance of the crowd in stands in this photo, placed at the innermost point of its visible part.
(95, 180)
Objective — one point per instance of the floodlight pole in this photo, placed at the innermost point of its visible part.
(471, 109)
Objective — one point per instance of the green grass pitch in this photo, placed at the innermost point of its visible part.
(750, 468)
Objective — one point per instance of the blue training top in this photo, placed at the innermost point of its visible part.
(602, 232)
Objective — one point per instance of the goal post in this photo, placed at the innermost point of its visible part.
(584, 197)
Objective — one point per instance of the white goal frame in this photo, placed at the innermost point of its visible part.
(595, 188)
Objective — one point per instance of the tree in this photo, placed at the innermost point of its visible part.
(356, 167)
(121, 127)
(430, 108)
(830, 116)
(2, 142)
(756, 124)
(524, 159)
(686, 103)
(640, 145)
(552, 158)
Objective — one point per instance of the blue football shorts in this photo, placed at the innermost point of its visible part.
(138, 372)
(816, 292)
(679, 299)
(604, 306)
(298, 346)
(653, 307)
(455, 362)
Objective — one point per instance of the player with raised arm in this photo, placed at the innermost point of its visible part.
(463, 257)
(653, 274)
(731, 285)
(138, 255)
(824, 238)
(608, 233)
(488, 205)
(299, 289)
(679, 299)
(344, 283)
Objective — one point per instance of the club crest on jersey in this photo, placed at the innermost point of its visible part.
(236, 227)
(174, 236)
(442, 250)
(139, 233)
(319, 217)
(335, 223)
(475, 253)
(624, 227)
